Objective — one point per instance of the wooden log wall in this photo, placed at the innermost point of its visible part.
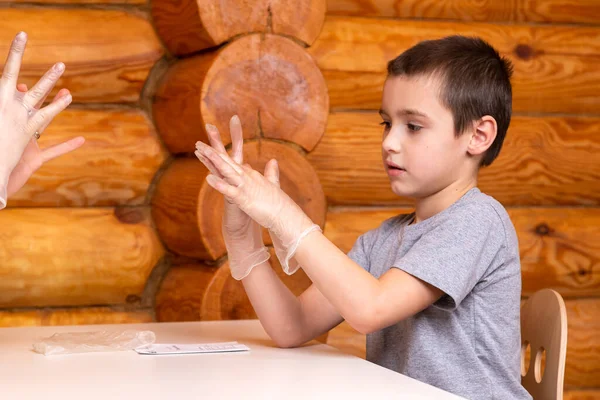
(78, 245)
(266, 77)
(101, 235)
(92, 234)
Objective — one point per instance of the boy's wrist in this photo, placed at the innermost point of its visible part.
(291, 228)
(248, 239)
(241, 263)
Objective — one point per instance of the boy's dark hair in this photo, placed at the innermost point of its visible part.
(475, 81)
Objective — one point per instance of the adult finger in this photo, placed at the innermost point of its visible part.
(13, 63)
(61, 93)
(62, 149)
(44, 86)
(44, 116)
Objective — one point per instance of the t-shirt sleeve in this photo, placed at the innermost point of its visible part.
(361, 249)
(454, 255)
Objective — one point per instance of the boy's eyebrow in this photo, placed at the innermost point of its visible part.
(406, 111)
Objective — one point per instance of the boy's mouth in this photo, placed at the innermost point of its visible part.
(393, 166)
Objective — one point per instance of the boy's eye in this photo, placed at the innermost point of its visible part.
(413, 127)
(386, 124)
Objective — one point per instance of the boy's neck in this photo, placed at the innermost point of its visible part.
(429, 206)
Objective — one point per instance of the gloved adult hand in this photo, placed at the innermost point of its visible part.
(34, 157)
(21, 119)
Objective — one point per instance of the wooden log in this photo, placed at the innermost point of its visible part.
(107, 60)
(583, 346)
(115, 166)
(558, 247)
(182, 291)
(188, 212)
(73, 316)
(194, 292)
(555, 68)
(348, 340)
(190, 26)
(544, 161)
(269, 81)
(75, 256)
(582, 366)
(557, 11)
(77, 2)
(574, 394)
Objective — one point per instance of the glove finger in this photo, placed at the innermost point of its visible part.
(272, 172)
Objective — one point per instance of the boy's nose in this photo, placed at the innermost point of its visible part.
(391, 144)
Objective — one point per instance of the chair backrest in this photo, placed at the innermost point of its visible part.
(544, 328)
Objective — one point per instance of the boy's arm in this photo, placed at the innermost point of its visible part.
(368, 304)
(289, 320)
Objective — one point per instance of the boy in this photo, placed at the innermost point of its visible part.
(437, 291)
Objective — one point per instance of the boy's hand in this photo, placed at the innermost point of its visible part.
(260, 198)
(243, 236)
(290, 265)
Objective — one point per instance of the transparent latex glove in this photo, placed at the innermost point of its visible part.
(285, 253)
(261, 199)
(21, 117)
(34, 157)
(242, 236)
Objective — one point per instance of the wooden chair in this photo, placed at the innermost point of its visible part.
(544, 329)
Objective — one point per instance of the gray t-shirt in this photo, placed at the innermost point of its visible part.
(469, 341)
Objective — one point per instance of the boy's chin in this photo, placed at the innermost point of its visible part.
(402, 190)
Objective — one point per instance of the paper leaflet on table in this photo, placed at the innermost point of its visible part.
(158, 348)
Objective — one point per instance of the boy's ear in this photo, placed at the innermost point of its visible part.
(484, 134)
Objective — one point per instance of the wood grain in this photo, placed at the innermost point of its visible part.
(583, 347)
(193, 292)
(574, 394)
(547, 11)
(269, 81)
(558, 246)
(115, 166)
(188, 212)
(189, 26)
(544, 161)
(75, 256)
(73, 316)
(555, 68)
(76, 2)
(348, 340)
(108, 53)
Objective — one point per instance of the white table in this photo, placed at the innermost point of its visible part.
(315, 371)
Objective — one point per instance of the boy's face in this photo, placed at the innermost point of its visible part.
(418, 137)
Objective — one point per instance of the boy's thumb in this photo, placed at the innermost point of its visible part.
(272, 172)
